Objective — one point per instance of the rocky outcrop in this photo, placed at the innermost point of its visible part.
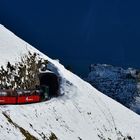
(118, 83)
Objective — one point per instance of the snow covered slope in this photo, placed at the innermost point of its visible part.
(82, 113)
(12, 47)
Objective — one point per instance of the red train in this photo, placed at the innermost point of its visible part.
(49, 86)
(20, 97)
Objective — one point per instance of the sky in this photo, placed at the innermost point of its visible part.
(78, 32)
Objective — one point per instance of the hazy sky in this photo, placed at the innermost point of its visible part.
(78, 32)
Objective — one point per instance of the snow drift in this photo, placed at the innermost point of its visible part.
(82, 113)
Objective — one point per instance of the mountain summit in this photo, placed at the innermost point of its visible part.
(82, 113)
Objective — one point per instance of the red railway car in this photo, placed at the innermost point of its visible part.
(8, 100)
(19, 97)
(7, 97)
(28, 96)
(28, 99)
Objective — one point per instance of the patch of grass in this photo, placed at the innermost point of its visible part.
(79, 138)
(52, 137)
(27, 135)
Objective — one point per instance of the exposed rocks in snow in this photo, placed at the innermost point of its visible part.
(24, 74)
(118, 83)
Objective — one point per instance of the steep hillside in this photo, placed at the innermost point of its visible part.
(82, 113)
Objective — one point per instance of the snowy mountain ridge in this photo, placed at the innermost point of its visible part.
(82, 113)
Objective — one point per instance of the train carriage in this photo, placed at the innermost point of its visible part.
(19, 97)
